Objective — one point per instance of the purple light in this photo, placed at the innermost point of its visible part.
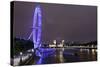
(36, 31)
(37, 23)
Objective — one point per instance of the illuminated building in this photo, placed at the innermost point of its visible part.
(54, 42)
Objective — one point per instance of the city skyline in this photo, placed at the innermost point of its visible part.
(60, 22)
(48, 33)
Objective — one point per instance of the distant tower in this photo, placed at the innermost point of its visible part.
(63, 41)
(54, 42)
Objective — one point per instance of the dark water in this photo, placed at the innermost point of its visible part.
(61, 55)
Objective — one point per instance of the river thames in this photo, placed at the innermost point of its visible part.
(65, 55)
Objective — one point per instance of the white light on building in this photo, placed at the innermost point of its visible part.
(54, 42)
(63, 41)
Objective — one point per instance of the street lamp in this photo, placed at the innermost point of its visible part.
(21, 57)
(32, 50)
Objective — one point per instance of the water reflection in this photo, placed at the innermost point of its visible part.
(61, 55)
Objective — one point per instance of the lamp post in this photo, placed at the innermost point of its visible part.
(32, 52)
(21, 57)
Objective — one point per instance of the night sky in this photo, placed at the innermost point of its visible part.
(68, 22)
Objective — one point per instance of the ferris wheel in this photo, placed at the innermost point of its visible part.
(36, 27)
